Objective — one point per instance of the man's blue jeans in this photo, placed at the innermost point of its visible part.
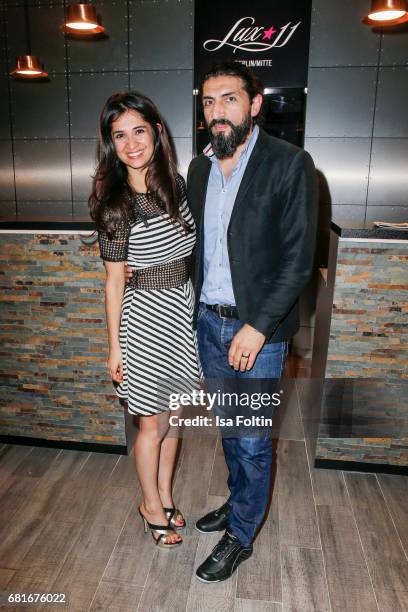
(249, 459)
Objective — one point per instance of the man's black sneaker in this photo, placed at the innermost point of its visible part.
(224, 559)
(217, 520)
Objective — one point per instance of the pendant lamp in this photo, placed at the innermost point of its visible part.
(81, 19)
(387, 13)
(28, 66)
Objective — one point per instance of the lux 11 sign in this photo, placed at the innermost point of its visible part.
(270, 37)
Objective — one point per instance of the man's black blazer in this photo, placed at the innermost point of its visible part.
(271, 234)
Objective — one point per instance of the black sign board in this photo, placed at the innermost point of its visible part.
(270, 37)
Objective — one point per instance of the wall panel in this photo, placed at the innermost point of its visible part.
(344, 167)
(391, 117)
(88, 94)
(387, 213)
(338, 37)
(42, 208)
(161, 34)
(340, 102)
(40, 109)
(389, 176)
(43, 170)
(172, 91)
(184, 154)
(6, 171)
(83, 167)
(4, 108)
(394, 49)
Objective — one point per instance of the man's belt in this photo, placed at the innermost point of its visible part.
(223, 310)
(164, 276)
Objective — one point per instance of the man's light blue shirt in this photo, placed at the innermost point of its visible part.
(219, 202)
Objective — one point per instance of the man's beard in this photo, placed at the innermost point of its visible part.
(224, 145)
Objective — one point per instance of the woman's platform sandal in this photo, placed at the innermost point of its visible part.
(162, 531)
(172, 515)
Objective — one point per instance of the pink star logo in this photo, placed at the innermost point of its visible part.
(268, 33)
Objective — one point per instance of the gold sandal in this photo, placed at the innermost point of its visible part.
(163, 531)
(172, 515)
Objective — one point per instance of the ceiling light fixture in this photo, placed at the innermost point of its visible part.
(28, 66)
(82, 19)
(387, 13)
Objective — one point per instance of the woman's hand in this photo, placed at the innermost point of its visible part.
(115, 365)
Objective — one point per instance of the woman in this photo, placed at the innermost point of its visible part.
(138, 203)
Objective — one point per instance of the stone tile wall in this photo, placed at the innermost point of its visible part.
(53, 342)
(369, 340)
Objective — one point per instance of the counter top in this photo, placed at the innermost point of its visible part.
(368, 231)
(84, 224)
(47, 223)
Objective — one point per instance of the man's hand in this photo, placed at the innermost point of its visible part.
(128, 273)
(245, 347)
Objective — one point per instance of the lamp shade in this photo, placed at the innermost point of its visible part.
(28, 67)
(82, 19)
(387, 12)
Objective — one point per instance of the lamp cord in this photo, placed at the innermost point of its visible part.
(27, 27)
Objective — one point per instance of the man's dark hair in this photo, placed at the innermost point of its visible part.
(252, 84)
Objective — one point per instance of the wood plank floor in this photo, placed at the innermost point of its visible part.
(332, 541)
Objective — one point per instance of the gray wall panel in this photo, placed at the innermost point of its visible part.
(389, 175)
(109, 53)
(43, 170)
(34, 2)
(391, 116)
(81, 210)
(340, 101)
(8, 209)
(344, 164)
(350, 215)
(172, 92)
(83, 167)
(394, 49)
(396, 214)
(161, 34)
(3, 62)
(338, 38)
(4, 108)
(6, 171)
(47, 41)
(39, 108)
(88, 94)
(38, 208)
(184, 154)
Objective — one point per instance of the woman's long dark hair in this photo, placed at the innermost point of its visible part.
(110, 179)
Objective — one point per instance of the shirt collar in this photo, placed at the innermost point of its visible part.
(208, 150)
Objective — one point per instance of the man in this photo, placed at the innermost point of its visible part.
(254, 201)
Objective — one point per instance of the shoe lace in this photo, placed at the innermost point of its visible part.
(223, 547)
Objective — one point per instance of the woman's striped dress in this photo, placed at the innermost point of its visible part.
(158, 343)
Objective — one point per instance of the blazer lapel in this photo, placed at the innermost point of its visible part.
(250, 171)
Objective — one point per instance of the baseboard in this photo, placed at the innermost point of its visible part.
(116, 449)
(359, 466)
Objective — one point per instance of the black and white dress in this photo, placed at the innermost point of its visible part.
(158, 343)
